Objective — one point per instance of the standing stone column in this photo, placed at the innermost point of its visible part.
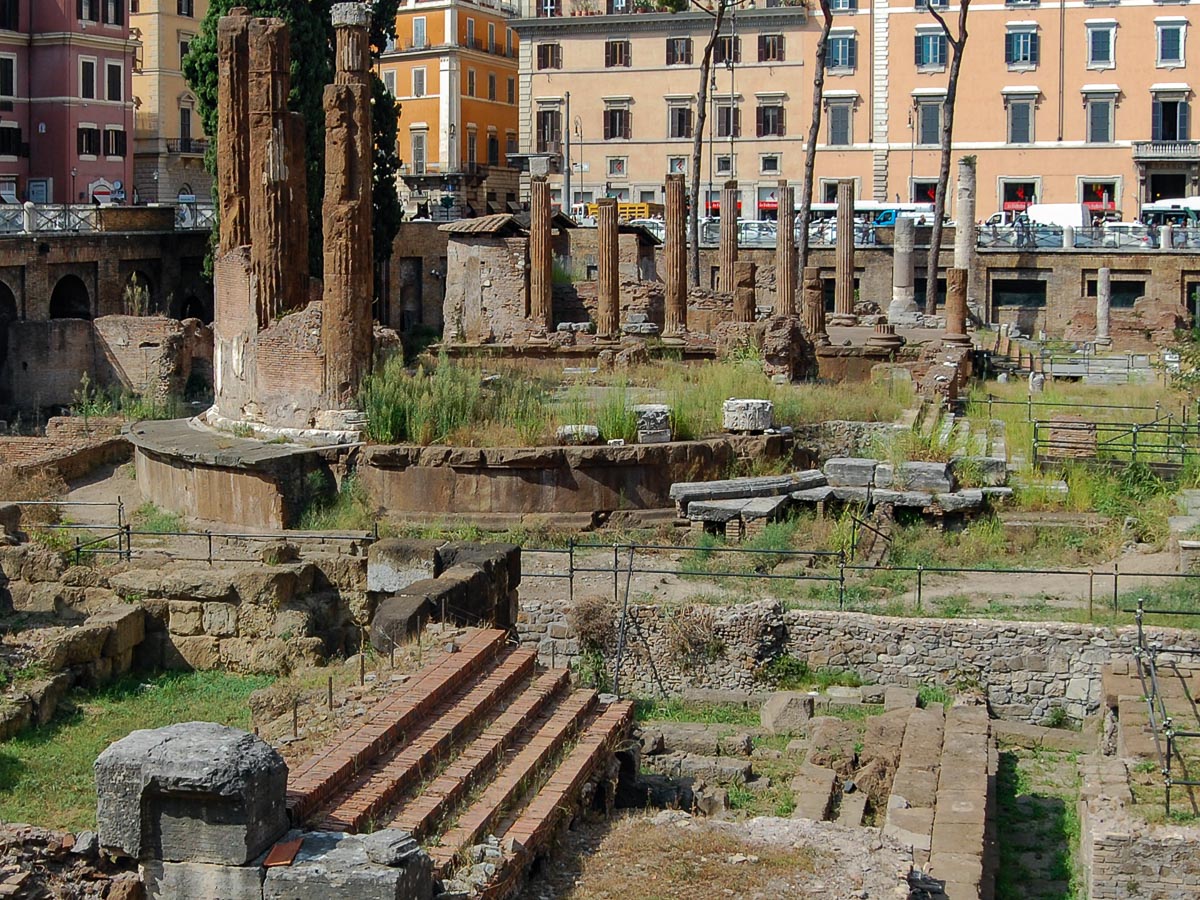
(298, 220)
(675, 319)
(273, 270)
(956, 308)
(785, 252)
(727, 252)
(843, 290)
(540, 266)
(607, 280)
(743, 291)
(964, 215)
(813, 296)
(1103, 306)
(233, 137)
(904, 293)
(348, 288)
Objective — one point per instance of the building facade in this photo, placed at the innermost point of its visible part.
(454, 71)
(1080, 101)
(169, 139)
(66, 110)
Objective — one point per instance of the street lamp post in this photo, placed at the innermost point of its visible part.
(582, 181)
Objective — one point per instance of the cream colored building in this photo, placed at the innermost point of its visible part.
(1060, 102)
(169, 141)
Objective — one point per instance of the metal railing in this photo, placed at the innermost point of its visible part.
(990, 401)
(188, 146)
(1163, 729)
(195, 216)
(1162, 442)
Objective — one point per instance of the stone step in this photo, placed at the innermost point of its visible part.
(533, 753)
(526, 833)
(316, 780)
(960, 436)
(368, 795)
(960, 822)
(814, 787)
(420, 814)
(1135, 738)
(852, 809)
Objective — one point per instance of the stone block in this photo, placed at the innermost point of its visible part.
(747, 416)
(721, 769)
(850, 471)
(220, 619)
(128, 628)
(885, 475)
(925, 476)
(686, 492)
(398, 618)
(187, 617)
(897, 697)
(394, 564)
(716, 511)
(199, 653)
(911, 827)
(274, 586)
(960, 501)
(653, 417)
(787, 712)
(346, 865)
(992, 471)
(171, 880)
(659, 436)
(577, 435)
(173, 582)
(194, 792)
(813, 786)
(77, 646)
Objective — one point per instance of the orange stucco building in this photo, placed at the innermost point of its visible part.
(1078, 101)
(453, 69)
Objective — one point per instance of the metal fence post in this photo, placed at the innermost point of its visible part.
(208, 535)
(920, 580)
(1133, 457)
(1116, 575)
(571, 570)
(1091, 590)
(616, 596)
(842, 585)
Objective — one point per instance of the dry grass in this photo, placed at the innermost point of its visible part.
(40, 484)
(637, 860)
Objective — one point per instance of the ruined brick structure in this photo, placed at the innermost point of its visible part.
(286, 359)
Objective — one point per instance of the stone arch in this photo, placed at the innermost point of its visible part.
(185, 190)
(70, 299)
(139, 297)
(194, 307)
(8, 313)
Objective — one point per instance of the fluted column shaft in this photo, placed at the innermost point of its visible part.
(813, 296)
(785, 252)
(843, 296)
(956, 307)
(727, 251)
(675, 252)
(233, 138)
(608, 271)
(540, 264)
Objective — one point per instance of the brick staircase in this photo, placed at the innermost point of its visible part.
(479, 743)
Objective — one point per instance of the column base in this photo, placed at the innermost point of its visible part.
(955, 340)
(841, 319)
(1103, 342)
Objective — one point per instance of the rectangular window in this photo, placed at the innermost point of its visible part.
(512, 91)
(1169, 120)
(549, 56)
(1099, 121)
(770, 48)
(493, 150)
(679, 121)
(616, 167)
(10, 141)
(470, 32)
(114, 142)
(115, 81)
(472, 140)
(1170, 45)
(185, 44)
(1021, 48)
(185, 125)
(389, 81)
(677, 165)
(418, 82)
(491, 86)
(549, 130)
(769, 164)
(470, 82)
(843, 52)
(88, 10)
(418, 152)
(419, 39)
(510, 143)
(616, 53)
(617, 124)
(491, 38)
(727, 49)
(186, 8)
(729, 121)
(114, 12)
(840, 118)
(1100, 46)
(930, 49)
(929, 122)
(87, 141)
(8, 76)
(679, 51)
(928, 4)
(508, 42)
(924, 191)
(843, 5)
(770, 121)
(724, 166)
(548, 8)
(1020, 122)
(10, 15)
(87, 79)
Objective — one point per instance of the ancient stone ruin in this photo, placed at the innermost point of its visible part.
(289, 357)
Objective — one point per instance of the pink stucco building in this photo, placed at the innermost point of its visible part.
(66, 104)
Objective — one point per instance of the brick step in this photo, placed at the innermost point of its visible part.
(419, 815)
(376, 787)
(534, 751)
(533, 828)
(317, 779)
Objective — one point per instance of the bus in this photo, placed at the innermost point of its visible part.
(1183, 211)
(881, 214)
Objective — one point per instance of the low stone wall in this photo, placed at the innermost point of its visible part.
(1123, 857)
(456, 482)
(1026, 669)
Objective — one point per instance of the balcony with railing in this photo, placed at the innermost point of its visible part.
(1169, 150)
(187, 146)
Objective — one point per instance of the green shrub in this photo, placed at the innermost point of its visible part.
(785, 672)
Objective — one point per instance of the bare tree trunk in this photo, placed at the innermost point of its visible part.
(939, 201)
(698, 145)
(814, 132)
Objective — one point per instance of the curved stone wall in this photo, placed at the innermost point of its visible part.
(464, 482)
